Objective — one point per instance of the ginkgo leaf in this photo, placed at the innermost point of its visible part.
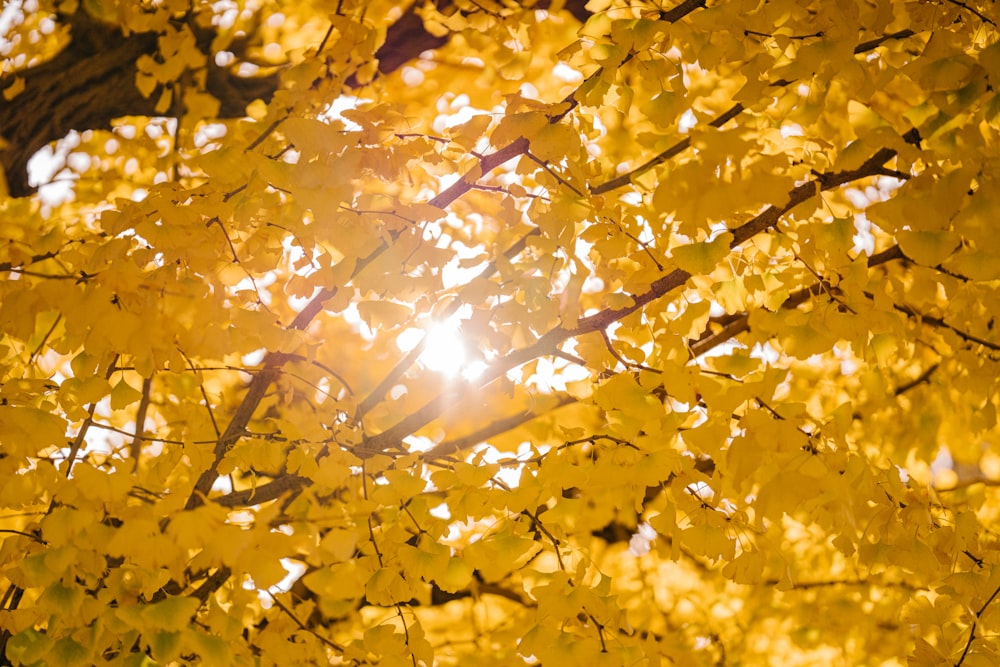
(165, 646)
(172, 614)
(384, 314)
(123, 394)
(701, 258)
(340, 581)
(981, 265)
(212, 649)
(835, 237)
(428, 561)
(386, 587)
(745, 568)
(29, 646)
(494, 556)
(27, 430)
(67, 651)
(927, 248)
(456, 576)
(222, 442)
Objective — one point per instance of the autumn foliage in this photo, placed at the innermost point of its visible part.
(497, 333)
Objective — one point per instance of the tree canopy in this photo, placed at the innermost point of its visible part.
(486, 332)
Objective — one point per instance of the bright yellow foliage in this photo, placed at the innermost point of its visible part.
(664, 337)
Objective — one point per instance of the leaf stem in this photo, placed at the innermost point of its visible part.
(975, 622)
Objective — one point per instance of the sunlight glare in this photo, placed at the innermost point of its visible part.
(445, 351)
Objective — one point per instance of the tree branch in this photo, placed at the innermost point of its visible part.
(548, 344)
(92, 81)
(140, 422)
(491, 430)
(274, 360)
(263, 493)
(975, 622)
(733, 325)
(719, 121)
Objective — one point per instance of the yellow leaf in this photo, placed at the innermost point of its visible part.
(384, 314)
(402, 486)
(465, 135)
(554, 141)
(122, 394)
(340, 581)
(616, 300)
(746, 568)
(28, 647)
(339, 544)
(457, 575)
(67, 652)
(496, 555)
(171, 614)
(738, 364)
(553, 598)
(386, 587)
(814, 467)
(213, 650)
(61, 598)
(517, 125)
(700, 258)
(146, 83)
(663, 109)
(25, 431)
(429, 561)
(978, 265)
(165, 646)
(835, 238)
(927, 248)
(709, 541)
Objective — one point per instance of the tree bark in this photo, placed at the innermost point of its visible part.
(92, 81)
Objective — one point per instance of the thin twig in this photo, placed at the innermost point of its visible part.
(979, 14)
(548, 343)
(975, 622)
(212, 584)
(44, 340)
(140, 421)
(204, 394)
(376, 394)
(720, 120)
(544, 164)
(147, 438)
(36, 538)
(266, 133)
(302, 626)
(545, 531)
(87, 423)
(922, 378)
(491, 430)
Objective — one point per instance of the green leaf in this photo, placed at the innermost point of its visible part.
(165, 646)
(68, 652)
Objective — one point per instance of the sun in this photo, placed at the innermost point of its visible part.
(445, 350)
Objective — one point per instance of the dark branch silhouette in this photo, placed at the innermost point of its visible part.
(91, 82)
